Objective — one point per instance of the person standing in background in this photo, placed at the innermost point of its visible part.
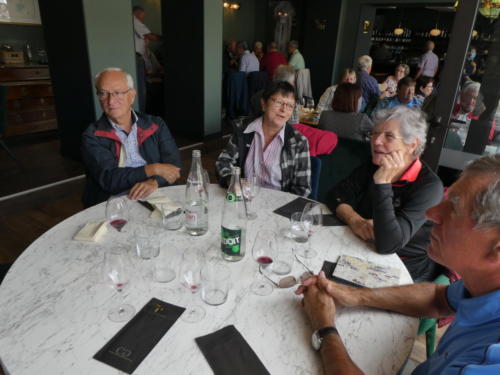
(141, 35)
(296, 59)
(429, 62)
(272, 59)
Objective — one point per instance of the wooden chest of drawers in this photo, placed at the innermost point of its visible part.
(30, 101)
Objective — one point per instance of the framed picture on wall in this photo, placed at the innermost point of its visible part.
(23, 12)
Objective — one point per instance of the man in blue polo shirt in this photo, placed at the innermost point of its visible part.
(405, 95)
(465, 238)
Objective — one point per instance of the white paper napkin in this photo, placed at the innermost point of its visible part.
(92, 232)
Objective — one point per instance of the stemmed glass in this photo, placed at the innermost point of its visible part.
(116, 273)
(117, 212)
(250, 189)
(190, 277)
(263, 251)
(312, 221)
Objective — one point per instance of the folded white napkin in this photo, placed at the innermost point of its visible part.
(161, 202)
(92, 232)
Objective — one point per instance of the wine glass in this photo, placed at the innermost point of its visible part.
(312, 221)
(116, 273)
(190, 278)
(250, 189)
(117, 212)
(263, 251)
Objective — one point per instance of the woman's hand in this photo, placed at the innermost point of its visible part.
(363, 228)
(391, 167)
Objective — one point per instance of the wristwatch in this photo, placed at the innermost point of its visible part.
(318, 336)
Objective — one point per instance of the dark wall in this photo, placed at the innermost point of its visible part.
(70, 71)
(184, 95)
(318, 44)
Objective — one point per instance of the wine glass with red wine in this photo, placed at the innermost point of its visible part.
(117, 212)
(190, 278)
(116, 274)
(263, 251)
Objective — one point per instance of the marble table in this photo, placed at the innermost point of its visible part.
(53, 312)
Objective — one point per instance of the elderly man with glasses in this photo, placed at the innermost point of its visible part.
(125, 151)
(466, 239)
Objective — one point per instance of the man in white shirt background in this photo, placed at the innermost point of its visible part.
(142, 35)
(248, 62)
(429, 61)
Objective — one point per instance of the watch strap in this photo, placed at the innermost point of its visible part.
(325, 331)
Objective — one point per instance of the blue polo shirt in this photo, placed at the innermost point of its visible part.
(394, 101)
(471, 346)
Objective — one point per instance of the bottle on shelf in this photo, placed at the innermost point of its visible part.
(195, 204)
(29, 54)
(234, 220)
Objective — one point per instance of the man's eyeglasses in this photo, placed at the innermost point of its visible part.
(102, 95)
(280, 103)
(388, 136)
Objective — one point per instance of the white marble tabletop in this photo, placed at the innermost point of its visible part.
(53, 312)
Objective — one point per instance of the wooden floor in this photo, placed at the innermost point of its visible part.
(25, 218)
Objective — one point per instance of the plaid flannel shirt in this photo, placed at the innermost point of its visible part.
(294, 161)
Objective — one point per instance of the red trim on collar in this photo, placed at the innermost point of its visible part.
(143, 134)
(410, 174)
(107, 134)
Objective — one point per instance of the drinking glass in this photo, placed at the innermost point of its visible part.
(116, 273)
(310, 103)
(190, 278)
(250, 189)
(297, 230)
(216, 279)
(147, 244)
(263, 251)
(312, 221)
(117, 212)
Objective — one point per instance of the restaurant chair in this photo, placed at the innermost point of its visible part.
(303, 83)
(335, 167)
(315, 173)
(236, 94)
(428, 325)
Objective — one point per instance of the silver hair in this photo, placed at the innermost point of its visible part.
(284, 73)
(364, 61)
(293, 44)
(130, 80)
(243, 45)
(471, 85)
(412, 124)
(486, 205)
(405, 67)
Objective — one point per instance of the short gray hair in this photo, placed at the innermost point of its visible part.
(412, 124)
(486, 205)
(284, 73)
(471, 85)
(293, 44)
(130, 80)
(364, 62)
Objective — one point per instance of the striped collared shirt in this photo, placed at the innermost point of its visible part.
(264, 163)
(129, 142)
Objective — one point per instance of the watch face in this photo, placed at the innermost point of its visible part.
(316, 341)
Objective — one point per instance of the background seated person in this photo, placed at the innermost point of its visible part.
(123, 150)
(402, 70)
(468, 108)
(325, 102)
(405, 95)
(345, 119)
(425, 87)
(269, 148)
(384, 201)
(465, 238)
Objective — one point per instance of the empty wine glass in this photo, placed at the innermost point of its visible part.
(250, 189)
(263, 251)
(116, 273)
(117, 212)
(190, 278)
(311, 220)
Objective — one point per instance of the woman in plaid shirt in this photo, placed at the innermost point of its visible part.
(268, 148)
